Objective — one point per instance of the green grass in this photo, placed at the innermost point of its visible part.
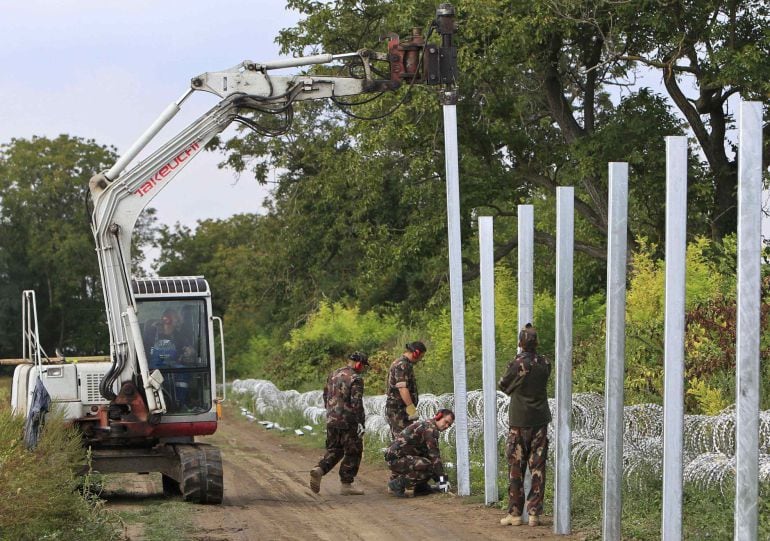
(40, 495)
(162, 519)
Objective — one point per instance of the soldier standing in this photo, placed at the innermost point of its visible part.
(402, 397)
(345, 421)
(414, 457)
(525, 382)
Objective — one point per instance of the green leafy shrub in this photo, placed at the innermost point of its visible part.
(329, 336)
(39, 491)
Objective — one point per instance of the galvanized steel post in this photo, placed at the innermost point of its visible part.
(526, 279)
(615, 352)
(747, 329)
(456, 292)
(565, 241)
(526, 264)
(673, 388)
(487, 269)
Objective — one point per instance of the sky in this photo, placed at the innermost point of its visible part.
(105, 70)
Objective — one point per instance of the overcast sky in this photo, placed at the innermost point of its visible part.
(105, 70)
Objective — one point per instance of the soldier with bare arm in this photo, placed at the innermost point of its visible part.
(525, 381)
(401, 392)
(345, 421)
(414, 457)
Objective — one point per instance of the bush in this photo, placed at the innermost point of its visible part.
(39, 497)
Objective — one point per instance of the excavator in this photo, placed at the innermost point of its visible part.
(141, 410)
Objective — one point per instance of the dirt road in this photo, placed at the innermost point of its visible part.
(267, 498)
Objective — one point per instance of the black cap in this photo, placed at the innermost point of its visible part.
(359, 357)
(528, 337)
(416, 347)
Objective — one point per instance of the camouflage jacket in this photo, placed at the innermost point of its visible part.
(401, 374)
(344, 398)
(418, 439)
(525, 381)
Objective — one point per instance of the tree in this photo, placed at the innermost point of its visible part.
(46, 242)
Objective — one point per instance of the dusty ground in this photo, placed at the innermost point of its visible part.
(267, 498)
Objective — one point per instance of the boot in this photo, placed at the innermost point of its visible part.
(396, 487)
(534, 520)
(315, 479)
(511, 520)
(347, 489)
(424, 489)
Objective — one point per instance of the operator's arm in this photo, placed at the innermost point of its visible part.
(401, 378)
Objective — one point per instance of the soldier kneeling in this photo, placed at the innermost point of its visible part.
(414, 457)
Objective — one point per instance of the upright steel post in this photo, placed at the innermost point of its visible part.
(673, 387)
(526, 280)
(456, 291)
(747, 330)
(616, 346)
(565, 241)
(526, 264)
(487, 264)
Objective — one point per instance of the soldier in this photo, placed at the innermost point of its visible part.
(345, 421)
(525, 382)
(414, 457)
(402, 397)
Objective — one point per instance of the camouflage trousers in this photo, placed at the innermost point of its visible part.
(398, 420)
(526, 447)
(416, 470)
(342, 444)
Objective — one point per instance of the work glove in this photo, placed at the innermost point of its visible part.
(411, 412)
(443, 483)
(361, 430)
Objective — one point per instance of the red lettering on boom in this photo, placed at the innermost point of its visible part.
(167, 168)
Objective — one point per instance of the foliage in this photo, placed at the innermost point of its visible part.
(46, 242)
(332, 333)
(39, 496)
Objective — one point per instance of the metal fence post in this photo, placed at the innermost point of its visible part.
(565, 240)
(673, 392)
(616, 350)
(487, 264)
(456, 292)
(748, 322)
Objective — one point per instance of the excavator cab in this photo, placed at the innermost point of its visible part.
(178, 337)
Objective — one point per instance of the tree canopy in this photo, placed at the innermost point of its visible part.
(46, 242)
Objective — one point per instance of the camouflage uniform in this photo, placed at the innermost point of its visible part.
(400, 374)
(343, 398)
(525, 381)
(415, 455)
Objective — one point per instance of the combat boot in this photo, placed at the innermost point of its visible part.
(347, 489)
(534, 520)
(315, 479)
(397, 486)
(510, 520)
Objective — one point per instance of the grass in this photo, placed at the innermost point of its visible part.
(161, 519)
(40, 495)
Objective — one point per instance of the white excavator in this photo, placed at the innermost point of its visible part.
(141, 410)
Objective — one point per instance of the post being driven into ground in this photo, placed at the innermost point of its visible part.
(456, 291)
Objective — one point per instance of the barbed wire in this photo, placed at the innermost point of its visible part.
(709, 441)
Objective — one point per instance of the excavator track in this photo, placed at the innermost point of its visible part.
(201, 473)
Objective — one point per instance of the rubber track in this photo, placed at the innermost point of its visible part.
(201, 468)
